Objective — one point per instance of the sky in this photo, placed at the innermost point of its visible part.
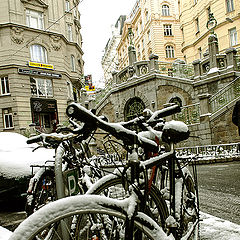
(97, 16)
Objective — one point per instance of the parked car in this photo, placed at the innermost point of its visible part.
(16, 157)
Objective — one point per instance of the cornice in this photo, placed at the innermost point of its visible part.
(38, 3)
(42, 32)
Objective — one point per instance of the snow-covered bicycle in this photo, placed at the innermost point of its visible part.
(169, 211)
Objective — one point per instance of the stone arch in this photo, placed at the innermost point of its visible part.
(166, 92)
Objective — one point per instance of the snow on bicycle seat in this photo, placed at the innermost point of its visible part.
(175, 132)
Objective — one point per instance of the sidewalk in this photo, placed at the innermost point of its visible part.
(211, 228)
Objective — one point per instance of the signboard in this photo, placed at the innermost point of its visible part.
(90, 88)
(40, 65)
(71, 180)
(39, 73)
(43, 105)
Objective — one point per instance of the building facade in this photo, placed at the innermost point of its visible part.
(194, 16)
(41, 64)
(110, 60)
(156, 30)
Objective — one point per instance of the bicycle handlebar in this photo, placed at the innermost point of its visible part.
(35, 139)
(129, 137)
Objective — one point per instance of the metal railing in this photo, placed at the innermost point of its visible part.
(207, 152)
(176, 69)
(225, 95)
(189, 114)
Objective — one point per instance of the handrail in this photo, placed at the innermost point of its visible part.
(225, 95)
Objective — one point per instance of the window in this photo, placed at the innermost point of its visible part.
(169, 51)
(4, 86)
(165, 10)
(67, 6)
(7, 118)
(142, 43)
(69, 32)
(38, 53)
(230, 6)
(176, 100)
(146, 14)
(69, 90)
(233, 37)
(200, 52)
(73, 65)
(167, 30)
(149, 35)
(197, 25)
(41, 87)
(34, 19)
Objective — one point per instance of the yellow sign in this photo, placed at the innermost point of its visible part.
(40, 65)
(92, 88)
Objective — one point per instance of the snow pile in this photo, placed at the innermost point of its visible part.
(213, 228)
(4, 233)
(16, 155)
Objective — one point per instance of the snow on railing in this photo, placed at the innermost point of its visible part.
(221, 151)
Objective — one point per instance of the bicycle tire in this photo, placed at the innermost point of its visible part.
(187, 208)
(42, 191)
(89, 205)
(158, 203)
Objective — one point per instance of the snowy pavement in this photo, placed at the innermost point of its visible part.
(212, 228)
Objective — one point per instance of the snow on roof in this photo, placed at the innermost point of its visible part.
(16, 155)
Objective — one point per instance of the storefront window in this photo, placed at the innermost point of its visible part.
(41, 87)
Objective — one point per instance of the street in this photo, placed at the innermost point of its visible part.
(219, 190)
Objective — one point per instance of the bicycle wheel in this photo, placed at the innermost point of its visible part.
(112, 186)
(187, 212)
(99, 218)
(42, 190)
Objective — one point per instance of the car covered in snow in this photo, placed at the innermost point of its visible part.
(16, 158)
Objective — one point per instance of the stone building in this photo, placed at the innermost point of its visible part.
(194, 17)
(206, 93)
(41, 64)
(156, 30)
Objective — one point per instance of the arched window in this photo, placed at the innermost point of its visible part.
(38, 53)
(169, 51)
(133, 108)
(176, 100)
(165, 10)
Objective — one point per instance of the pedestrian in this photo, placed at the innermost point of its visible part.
(236, 115)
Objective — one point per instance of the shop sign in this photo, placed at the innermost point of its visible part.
(39, 73)
(40, 65)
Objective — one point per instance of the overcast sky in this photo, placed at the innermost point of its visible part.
(97, 16)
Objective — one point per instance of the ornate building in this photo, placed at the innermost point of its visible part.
(156, 30)
(193, 18)
(40, 62)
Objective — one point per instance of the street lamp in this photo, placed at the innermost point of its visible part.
(211, 23)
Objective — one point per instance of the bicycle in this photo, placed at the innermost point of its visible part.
(50, 181)
(173, 224)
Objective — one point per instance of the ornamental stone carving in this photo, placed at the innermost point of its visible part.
(17, 35)
(55, 42)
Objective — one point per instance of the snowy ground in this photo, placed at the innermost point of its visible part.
(212, 228)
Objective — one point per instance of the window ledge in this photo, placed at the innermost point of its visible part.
(8, 94)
